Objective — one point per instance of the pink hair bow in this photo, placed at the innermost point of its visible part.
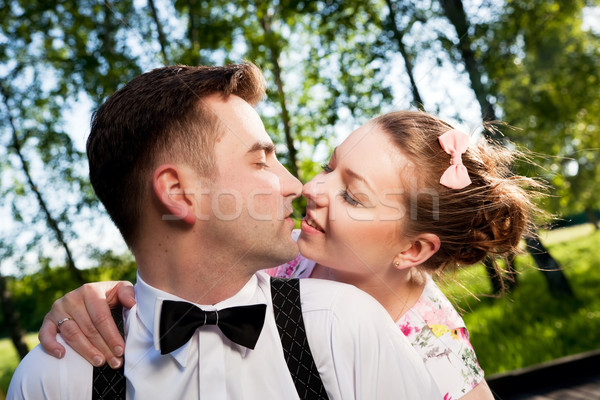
(455, 143)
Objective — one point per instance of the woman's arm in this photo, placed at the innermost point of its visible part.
(479, 392)
(90, 329)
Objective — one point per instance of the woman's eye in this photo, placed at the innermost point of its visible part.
(326, 168)
(348, 199)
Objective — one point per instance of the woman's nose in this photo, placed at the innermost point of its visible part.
(315, 190)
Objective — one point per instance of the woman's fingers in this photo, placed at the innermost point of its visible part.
(70, 331)
(47, 337)
(90, 329)
(126, 294)
(105, 332)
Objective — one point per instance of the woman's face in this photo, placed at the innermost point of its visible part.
(355, 209)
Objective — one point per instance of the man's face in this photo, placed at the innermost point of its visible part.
(249, 200)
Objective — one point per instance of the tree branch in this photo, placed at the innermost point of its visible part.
(161, 36)
(11, 319)
(52, 223)
(398, 35)
(285, 116)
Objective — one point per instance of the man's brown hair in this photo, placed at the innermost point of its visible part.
(159, 117)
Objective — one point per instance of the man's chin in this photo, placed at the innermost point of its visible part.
(284, 254)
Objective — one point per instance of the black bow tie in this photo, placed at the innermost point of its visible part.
(179, 320)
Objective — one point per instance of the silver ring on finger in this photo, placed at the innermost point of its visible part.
(62, 321)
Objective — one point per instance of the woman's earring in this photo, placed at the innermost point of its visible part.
(396, 263)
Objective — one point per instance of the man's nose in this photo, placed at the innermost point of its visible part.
(290, 185)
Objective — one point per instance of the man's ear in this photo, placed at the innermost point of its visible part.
(420, 250)
(171, 187)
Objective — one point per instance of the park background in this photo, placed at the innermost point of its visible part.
(330, 66)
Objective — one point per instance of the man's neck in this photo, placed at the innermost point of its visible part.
(197, 289)
(195, 277)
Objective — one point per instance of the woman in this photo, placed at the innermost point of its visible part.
(401, 198)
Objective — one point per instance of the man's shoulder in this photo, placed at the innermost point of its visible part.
(338, 298)
(331, 302)
(352, 334)
(42, 376)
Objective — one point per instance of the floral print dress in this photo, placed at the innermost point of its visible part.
(434, 328)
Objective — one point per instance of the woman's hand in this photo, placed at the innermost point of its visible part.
(90, 329)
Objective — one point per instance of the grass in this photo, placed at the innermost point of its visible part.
(566, 234)
(530, 325)
(525, 327)
(9, 359)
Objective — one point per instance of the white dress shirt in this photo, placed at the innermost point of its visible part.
(358, 350)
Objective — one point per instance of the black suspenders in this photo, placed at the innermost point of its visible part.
(290, 324)
(109, 384)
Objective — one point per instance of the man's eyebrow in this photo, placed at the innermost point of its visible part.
(267, 147)
(358, 177)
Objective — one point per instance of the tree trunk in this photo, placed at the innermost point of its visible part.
(494, 275)
(193, 34)
(512, 274)
(455, 13)
(52, 223)
(11, 319)
(285, 116)
(398, 35)
(592, 217)
(161, 36)
(501, 283)
(557, 281)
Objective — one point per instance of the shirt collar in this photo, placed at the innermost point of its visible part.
(149, 302)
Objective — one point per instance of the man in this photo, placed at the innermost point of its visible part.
(187, 172)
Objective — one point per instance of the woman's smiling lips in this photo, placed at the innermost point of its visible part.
(309, 225)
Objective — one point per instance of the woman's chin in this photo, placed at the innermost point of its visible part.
(306, 247)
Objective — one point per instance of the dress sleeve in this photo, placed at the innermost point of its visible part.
(438, 333)
(452, 362)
